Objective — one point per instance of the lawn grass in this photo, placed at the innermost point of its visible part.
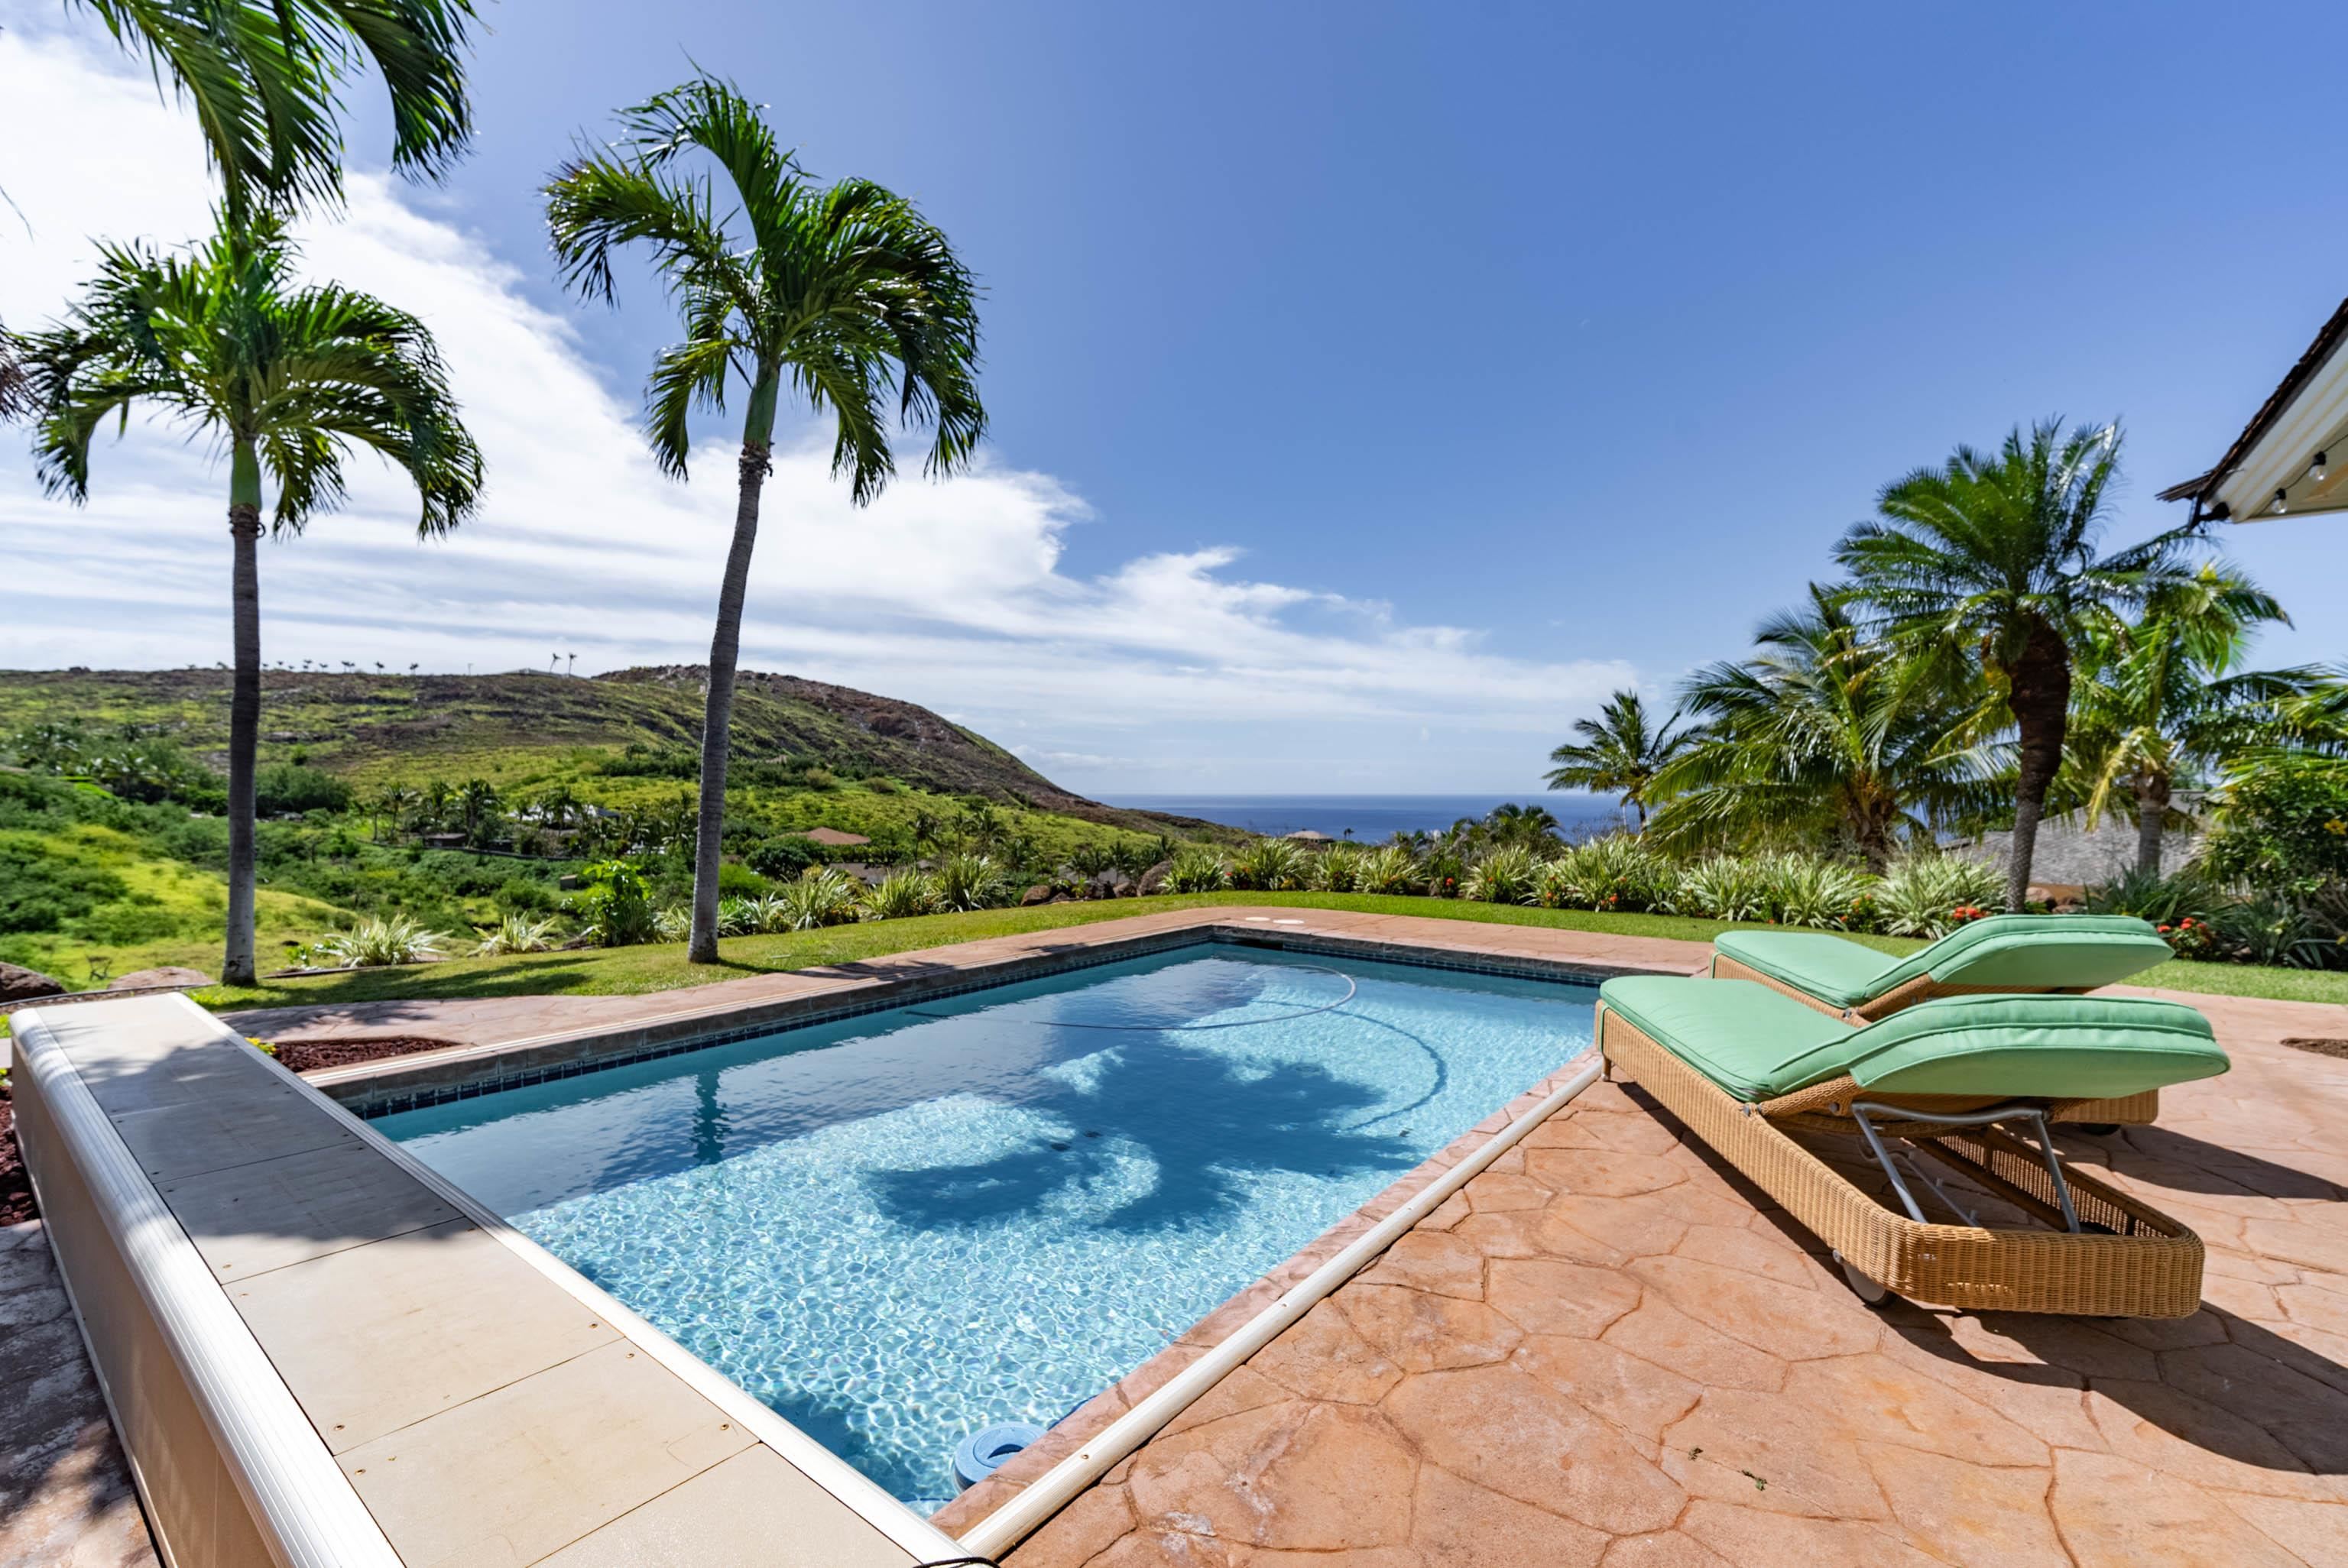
(624, 972)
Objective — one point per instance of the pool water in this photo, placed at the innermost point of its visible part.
(899, 1228)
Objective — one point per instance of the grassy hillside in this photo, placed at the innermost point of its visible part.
(129, 875)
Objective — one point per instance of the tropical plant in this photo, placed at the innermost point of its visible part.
(1820, 738)
(2164, 900)
(1990, 562)
(1922, 892)
(263, 81)
(372, 943)
(2159, 698)
(1502, 875)
(672, 923)
(1725, 887)
(1620, 752)
(845, 292)
(1533, 826)
(1269, 865)
(823, 896)
(1388, 869)
(516, 933)
(1197, 869)
(967, 881)
(899, 893)
(2266, 927)
(616, 905)
(287, 379)
(1336, 870)
(2280, 827)
(1818, 891)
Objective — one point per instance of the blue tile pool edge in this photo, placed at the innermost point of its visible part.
(378, 1093)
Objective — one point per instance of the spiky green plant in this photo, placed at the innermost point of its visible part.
(1336, 870)
(1922, 891)
(1269, 865)
(899, 895)
(1814, 891)
(1725, 887)
(1197, 869)
(517, 933)
(1388, 869)
(372, 943)
(1502, 875)
(968, 881)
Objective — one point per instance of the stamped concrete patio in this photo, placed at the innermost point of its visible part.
(1609, 1349)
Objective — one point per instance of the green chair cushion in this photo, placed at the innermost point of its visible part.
(2012, 952)
(1828, 968)
(1757, 1044)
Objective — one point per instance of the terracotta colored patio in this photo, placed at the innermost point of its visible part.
(1608, 1348)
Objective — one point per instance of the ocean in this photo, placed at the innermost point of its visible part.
(1373, 818)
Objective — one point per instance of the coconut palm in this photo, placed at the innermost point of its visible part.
(1990, 561)
(2162, 697)
(1620, 752)
(844, 295)
(1532, 826)
(1824, 737)
(286, 378)
(264, 80)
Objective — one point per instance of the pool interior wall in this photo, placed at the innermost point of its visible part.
(899, 1227)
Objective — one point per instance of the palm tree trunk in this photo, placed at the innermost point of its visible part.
(725, 650)
(2151, 810)
(2040, 696)
(244, 709)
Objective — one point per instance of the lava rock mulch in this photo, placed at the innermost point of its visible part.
(15, 1186)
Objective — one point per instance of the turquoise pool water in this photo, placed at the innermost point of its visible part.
(901, 1228)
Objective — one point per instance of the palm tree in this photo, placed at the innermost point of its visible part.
(286, 378)
(2158, 698)
(845, 292)
(264, 80)
(1620, 752)
(1534, 826)
(1821, 736)
(1990, 562)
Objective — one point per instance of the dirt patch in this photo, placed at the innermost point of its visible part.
(15, 1185)
(317, 1055)
(2319, 1046)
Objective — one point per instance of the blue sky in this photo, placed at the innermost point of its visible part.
(1373, 388)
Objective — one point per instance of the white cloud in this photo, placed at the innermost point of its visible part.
(1175, 670)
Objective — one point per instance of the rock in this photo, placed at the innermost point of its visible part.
(169, 975)
(1154, 879)
(18, 984)
(1039, 894)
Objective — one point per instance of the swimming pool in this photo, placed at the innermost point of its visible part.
(897, 1228)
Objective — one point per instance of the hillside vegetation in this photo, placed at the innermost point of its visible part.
(112, 845)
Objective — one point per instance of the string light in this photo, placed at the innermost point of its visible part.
(2320, 467)
(2281, 504)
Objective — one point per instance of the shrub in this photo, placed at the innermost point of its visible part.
(673, 923)
(2280, 828)
(2269, 929)
(516, 934)
(1504, 876)
(1336, 870)
(42, 887)
(1725, 887)
(738, 881)
(286, 787)
(2163, 900)
(1617, 871)
(1269, 865)
(783, 858)
(967, 881)
(824, 895)
(1389, 868)
(819, 778)
(1811, 890)
(1921, 894)
(370, 944)
(899, 893)
(616, 905)
(1196, 869)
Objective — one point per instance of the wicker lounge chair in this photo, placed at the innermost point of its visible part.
(1998, 956)
(1745, 1067)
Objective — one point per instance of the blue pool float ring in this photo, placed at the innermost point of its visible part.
(979, 1455)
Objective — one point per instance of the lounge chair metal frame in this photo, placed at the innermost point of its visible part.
(2135, 1111)
(2113, 1257)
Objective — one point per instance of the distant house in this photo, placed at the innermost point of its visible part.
(2069, 858)
(831, 837)
(2292, 456)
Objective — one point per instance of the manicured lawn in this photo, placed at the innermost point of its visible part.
(630, 970)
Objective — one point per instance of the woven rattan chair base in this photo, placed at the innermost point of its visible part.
(2135, 1111)
(2136, 1263)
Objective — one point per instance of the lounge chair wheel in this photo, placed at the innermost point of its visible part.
(1869, 1292)
(2096, 1129)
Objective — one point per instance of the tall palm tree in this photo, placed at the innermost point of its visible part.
(263, 76)
(1825, 736)
(1620, 752)
(844, 293)
(2161, 696)
(1534, 826)
(1991, 561)
(287, 379)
